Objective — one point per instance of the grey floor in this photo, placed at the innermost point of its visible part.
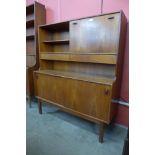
(58, 133)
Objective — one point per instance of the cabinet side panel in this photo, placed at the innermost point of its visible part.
(120, 57)
(40, 18)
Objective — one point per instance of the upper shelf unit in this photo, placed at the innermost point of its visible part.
(35, 16)
(86, 35)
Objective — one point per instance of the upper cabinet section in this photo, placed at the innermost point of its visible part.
(87, 36)
(35, 15)
(96, 34)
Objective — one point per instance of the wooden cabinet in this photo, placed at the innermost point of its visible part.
(35, 15)
(80, 66)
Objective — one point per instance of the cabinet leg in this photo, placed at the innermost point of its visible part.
(101, 132)
(40, 106)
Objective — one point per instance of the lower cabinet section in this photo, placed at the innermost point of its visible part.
(86, 99)
(89, 99)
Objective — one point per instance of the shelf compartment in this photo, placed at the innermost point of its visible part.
(30, 30)
(30, 9)
(78, 76)
(56, 41)
(93, 58)
(54, 32)
(30, 46)
(30, 23)
(54, 47)
(52, 36)
(30, 17)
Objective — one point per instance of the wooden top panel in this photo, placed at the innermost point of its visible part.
(57, 26)
(79, 76)
(48, 25)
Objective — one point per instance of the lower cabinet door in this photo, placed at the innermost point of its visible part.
(85, 97)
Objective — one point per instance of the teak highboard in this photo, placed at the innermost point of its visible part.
(35, 15)
(80, 66)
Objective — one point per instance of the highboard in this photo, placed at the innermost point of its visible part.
(81, 66)
(35, 15)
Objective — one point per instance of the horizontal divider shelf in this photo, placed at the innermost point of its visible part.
(85, 57)
(30, 23)
(28, 54)
(78, 76)
(30, 36)
(56, 41)
(80, 53)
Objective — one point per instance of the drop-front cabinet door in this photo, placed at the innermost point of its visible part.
(96, 34)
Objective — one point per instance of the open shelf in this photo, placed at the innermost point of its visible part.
(55, 37)
(79, 76)
(30, 9)
(56, 41)
(85, 57)
(30, 23)
(30, 17)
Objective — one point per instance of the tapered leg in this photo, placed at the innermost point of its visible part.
(40, 106)
(101, 132)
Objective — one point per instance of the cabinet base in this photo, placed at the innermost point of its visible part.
(101, 124)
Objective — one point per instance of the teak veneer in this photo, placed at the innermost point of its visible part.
(35, 15)
(81, 66)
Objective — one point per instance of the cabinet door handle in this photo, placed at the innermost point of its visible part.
(110, 17)
(106, 91)
(75, 23)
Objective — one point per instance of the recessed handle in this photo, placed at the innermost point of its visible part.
(106, 91)
(110, 17)
(75, 23)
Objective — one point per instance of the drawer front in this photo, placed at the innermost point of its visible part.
(85, 97)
